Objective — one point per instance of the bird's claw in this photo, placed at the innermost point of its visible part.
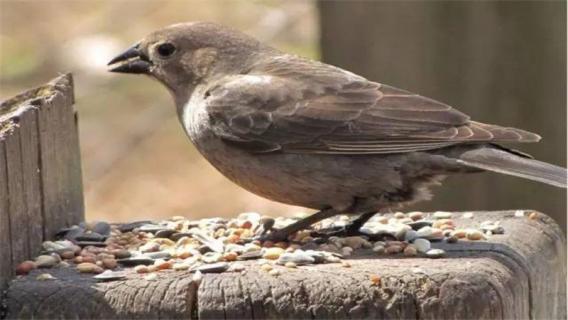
(274, 235)
(346, 231)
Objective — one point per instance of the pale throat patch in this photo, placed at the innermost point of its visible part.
(193, 115)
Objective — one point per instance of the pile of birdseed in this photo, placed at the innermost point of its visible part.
(215, 245)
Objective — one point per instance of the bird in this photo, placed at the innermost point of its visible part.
(302, 132)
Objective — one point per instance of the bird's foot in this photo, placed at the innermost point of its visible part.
(274, 235)
(346, 231)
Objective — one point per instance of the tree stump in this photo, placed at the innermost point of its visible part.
(40, 171)
(518, 275)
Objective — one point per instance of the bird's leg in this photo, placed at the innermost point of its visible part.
(282, 234)
(352, 229)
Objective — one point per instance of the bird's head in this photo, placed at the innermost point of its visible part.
(184, 55)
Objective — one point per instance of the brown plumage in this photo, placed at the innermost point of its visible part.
(310, 134)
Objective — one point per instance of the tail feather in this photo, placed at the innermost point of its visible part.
(505, 162)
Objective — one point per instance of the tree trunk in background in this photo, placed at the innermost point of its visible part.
(499, 62)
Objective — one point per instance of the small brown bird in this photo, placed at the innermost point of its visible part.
(310, 134)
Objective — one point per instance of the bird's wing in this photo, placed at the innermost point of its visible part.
(301, 106)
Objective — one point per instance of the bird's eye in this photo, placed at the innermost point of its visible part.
(165, 50)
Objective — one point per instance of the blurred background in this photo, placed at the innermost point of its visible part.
(500, 62)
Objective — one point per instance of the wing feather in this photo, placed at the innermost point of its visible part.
(290, 104)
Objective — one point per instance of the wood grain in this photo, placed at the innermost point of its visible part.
(518, 275)
(40, 171)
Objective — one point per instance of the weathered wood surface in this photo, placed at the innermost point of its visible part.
(40, 171)
(518, 275)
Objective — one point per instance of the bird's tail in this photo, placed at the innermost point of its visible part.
(515, 164)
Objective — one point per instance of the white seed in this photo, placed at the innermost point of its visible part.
(45, 276)
(435, 253)
(442, 215)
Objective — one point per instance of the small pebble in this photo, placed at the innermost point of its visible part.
(163, 265)
(356, 242)
(46, 261)
(150, 247)
(459, 233)
(422, 245)
(410, 251)
(45, 276)
(417, 225)
(442, 222)
(180, 266)
(410, 235)
(219, 267)
(67, 254)
(442, 215)
(158, 255)
(109, 275)
(493, 229)
(237, 267)
(212, 257)
(375, 280)
(533, 215)
(135, 261)
(394, 249)
(297, 257)
(519, 213)
(345, 264)
(435, 253)
(25, 267)
(416, 215)
(430, 233)
(87, 267)
(474, 235)
(274, 272)
(102, 228)
(251, 255)
(273, 253)
(399, 215)
(452, 239)
(230, 256)
(109, 263)
(379, 249)
(346, 251)
(467, 215)
(141, 269)
(290, 265)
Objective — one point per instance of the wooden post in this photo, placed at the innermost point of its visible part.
(40, 171)
(518, 275)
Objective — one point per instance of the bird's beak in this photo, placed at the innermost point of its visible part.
(130, 61)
